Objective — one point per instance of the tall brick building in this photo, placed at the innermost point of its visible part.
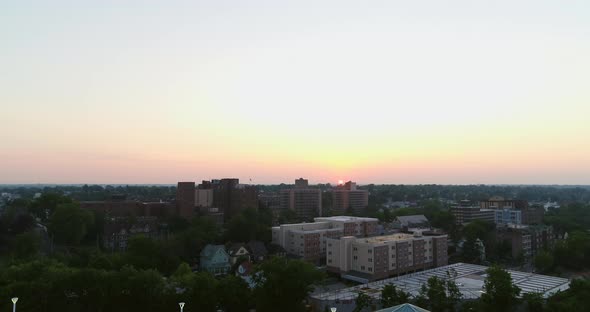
(347, 198)
(304, 200)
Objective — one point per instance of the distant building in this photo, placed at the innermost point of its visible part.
(533, 214)
(308, 240)
(527, 240)
(305, 201)
(118, 231)
(505, 216)
(231, 197)
(409, 222)
(466, 212)
(498, 202)
(130, 208)
(271, 201)
(347, 198)
(215, 260)
(378, 257)
(185, 199)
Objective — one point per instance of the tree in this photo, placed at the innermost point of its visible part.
(471, 250)
(26, 245)
(439, 295)
(362, 301)
(146, 253)
(534, 302)
(280, 282)
(573, 299)
(44, 206)
(499, 293)
(391, 296)
(543, 261)
(234, 294)
(69, 224)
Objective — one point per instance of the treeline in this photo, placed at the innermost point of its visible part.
(572, 253)
(49, 285)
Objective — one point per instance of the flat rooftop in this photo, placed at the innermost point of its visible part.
(344, 219)
(387, 238)
(469, 278)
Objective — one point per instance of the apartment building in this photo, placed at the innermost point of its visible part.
(347, 198)
(466, 214)
(526, 240)
(373, 258)
(304, 200)
(505, 216)
(185, 199)
(308, 240)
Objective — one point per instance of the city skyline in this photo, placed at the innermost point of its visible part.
(379, 92)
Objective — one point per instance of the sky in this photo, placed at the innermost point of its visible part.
(405, 92)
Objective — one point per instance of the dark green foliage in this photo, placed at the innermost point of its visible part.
(439, 295)
(26, 245)
(574, 299)
(534, 302)
(391, 296)
(499, 293)
(283, 283)
(362, 302)
(69, 224)
(250, 224)
(234, 294)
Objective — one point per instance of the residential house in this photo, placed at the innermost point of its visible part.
(258, 251)
(215, 260)
(237, 251)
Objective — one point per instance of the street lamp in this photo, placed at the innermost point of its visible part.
(333, 309)
(181, 305)
(14, 300)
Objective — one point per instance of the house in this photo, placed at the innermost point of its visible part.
(237, 251)
(215, 260)
(258, 251)
(413, 221)
(406, 307)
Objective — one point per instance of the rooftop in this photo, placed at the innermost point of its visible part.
(344, 219)
(469, 278)
(386, 238)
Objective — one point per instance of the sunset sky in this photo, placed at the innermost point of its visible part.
(449, 92)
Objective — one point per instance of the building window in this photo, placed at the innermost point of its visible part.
(370, 251)
(370, 259)
(370, 269)
(362, 267)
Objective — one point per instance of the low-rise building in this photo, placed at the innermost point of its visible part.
(379, 257)
(308, 240)
(411, 222)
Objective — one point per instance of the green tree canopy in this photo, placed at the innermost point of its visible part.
(499, 293)
(69, 223)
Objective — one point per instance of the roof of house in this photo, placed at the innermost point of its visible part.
(210, 250)
(406, 307)
(233, 249)
(413, 219)
(257, 248)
